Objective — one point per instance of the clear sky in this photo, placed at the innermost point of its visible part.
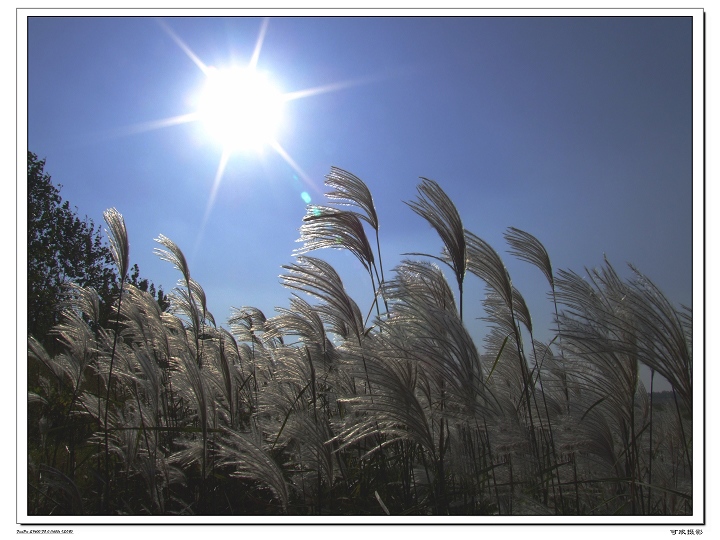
(575, 129)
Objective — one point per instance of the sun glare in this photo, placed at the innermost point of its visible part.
(240, 108)
(242, 111)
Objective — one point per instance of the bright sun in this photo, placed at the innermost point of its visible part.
(240, 108)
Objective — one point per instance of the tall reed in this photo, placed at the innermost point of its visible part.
(320, 410)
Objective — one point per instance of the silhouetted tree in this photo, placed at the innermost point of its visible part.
(64, 248)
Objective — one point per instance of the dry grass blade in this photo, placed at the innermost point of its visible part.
(63, 490)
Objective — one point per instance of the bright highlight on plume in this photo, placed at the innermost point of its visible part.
(240, 108)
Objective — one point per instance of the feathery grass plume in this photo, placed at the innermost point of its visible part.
(529, 249)
(247, 323)
(309, 434)
(422, 284)
(606, 328)
(485, 263)
(185, 300)
(440, 426)
(79, 344)
(142, 316)
(599, 328)
(424, 309)
(247, 453)
(303, 321)
(325, 227)
(437, 208)
(192, 386)
(174, 255)
(319, 279)
(665, 343)
(84, 300)
(118, 238)
(394, 410)
(120, 249)
(198, 293)
(503, 304)
(439, 366)
(38, 353)
(526, 247)
(424, 328)
(349, 190)
(188, 297)
(226, 381)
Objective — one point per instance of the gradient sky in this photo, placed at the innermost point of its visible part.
(575, 129)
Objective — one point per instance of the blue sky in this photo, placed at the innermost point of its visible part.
(575, 129)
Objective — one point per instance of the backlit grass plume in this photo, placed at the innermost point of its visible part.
(318, 410)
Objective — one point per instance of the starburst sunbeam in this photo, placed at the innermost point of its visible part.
(224, 158)
(334, 87)
(180, 43)
(290, 161)
(242, 110)
(158, 124)
(258, 44)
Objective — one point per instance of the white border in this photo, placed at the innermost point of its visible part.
(698, 265)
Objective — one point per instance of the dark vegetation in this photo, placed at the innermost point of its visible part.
(62, 248)
(322, 409)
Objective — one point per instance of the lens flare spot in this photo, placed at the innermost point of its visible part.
(306, 197)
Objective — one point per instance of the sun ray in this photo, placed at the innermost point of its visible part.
(290, 161)
(258, 44)
(202, 115)
(334, 87)
(159, 124)
(224, 158)
(180, 43)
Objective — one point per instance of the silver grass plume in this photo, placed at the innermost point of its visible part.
(325, 227)
(665, 343)
(485, 263)
(349, 190)
(319, 279)
(437, 208)
(303, 321)
(526, 247)
(118, 238)
(247, 453)
(393, 410)
(246, 323)
(432, 334)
